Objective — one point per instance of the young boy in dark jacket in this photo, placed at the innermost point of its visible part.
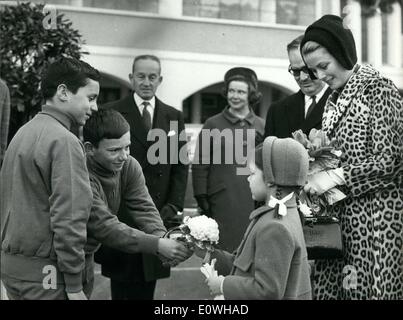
(45, 190)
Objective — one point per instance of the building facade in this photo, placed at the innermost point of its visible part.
(199, 40)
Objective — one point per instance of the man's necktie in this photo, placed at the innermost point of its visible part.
(146, 116)
(311, 107)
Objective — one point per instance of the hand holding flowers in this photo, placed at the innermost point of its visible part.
(200, 233)
(324, 170)
(172, 252)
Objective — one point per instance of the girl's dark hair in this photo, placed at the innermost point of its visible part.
(68, 71)
(105, 124)
(254, 95)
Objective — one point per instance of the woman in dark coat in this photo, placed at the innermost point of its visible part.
(219, 176)
(364, 115)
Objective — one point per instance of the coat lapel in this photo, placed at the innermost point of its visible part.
(295, 111)
(338, 103)
(132, 113)
(254, 217)
(161, 119)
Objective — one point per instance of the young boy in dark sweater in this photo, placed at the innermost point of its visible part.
(117, 180)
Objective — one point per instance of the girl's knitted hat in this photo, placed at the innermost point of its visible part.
(285, 162)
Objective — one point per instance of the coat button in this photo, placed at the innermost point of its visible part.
(245, 143)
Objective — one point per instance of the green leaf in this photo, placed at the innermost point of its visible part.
(26, 48)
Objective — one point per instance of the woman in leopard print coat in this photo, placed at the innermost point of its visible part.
(364, 115)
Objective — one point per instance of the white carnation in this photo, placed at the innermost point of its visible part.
(203, 228)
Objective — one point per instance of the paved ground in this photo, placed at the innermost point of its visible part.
(186, 283)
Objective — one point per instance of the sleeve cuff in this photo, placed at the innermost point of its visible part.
(222, 286)
(73, 282)
(149, 243)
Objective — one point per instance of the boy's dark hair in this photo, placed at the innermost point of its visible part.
(71, 72)
(105, 124)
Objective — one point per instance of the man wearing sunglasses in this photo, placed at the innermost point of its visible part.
(302, 110)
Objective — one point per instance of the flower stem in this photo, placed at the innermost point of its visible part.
(207, 257)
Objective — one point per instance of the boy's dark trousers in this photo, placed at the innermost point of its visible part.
(132, 290)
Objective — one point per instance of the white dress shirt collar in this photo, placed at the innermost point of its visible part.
(308, 99)
(139, 102)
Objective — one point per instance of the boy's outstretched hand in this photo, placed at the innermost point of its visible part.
(173, 252)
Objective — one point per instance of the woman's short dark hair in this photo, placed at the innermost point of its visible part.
(254, 95)
(68, 71)
(105, 124)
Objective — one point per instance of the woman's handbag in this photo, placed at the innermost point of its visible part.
(323, 238)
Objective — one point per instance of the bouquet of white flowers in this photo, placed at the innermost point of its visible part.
(323, 156)
(201, 231)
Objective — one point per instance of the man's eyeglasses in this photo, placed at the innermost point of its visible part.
(297, 72)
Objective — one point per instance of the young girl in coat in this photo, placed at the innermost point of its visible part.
(271, 261)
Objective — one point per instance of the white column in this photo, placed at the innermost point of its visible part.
(318, 9)
(353, 21)
(268, 11)
(394, 36)
(171, 8)
(374, 39)
(335, 5)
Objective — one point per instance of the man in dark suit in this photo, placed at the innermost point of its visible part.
(133, 276)
(302, 110)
